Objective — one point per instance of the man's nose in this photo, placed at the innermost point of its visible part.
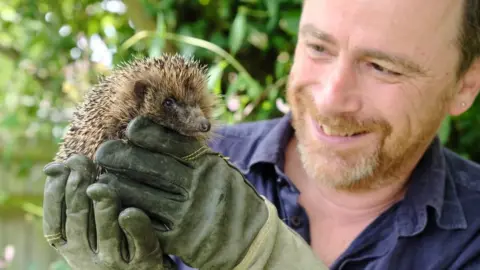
(338, 91)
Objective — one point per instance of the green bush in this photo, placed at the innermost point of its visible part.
(47, 66)
(248, 45)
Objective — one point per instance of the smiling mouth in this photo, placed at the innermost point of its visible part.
(340, 133)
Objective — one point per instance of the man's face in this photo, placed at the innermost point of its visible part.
(371, 82)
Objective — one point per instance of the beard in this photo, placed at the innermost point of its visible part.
(384, 160)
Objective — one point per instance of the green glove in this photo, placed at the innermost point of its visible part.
(98, 238)
(213, 217)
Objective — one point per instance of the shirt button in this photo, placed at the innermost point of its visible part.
(296, 221)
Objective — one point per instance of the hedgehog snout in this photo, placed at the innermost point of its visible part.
(204, 125)
(197, 119)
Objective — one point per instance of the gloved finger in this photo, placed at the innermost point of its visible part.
(54, 204)
(140, 234)
(106, 209)
(80, 220)
(145, 133)
(154, 169)
(162, 207)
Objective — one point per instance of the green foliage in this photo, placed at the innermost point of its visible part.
(49, 54)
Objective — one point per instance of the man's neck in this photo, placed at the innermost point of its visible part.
(339, 207)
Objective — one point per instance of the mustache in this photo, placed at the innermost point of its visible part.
(341, 122)
(349, 123)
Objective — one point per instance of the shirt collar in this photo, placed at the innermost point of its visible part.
(431, 185)
(271, 149)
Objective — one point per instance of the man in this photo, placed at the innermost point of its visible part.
(355, 168)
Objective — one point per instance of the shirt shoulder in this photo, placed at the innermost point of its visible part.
(466, 177)
(241, 142)
(466, 170)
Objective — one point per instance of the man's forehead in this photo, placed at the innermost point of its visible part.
(425, 29)
(410, 15)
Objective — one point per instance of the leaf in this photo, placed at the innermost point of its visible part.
(3, 197)
(107, 20)
(272, 9)
(258, 39)
(290, 22)
(185, 48)
(282, 65)
(444, 131)
(9, 121)
(239, 84)
(267, 105)
(158, 42)
(93, 27)
(7, 154)
(254, 89)
(238, 31)
(215, 77)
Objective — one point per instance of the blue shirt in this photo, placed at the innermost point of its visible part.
(436, 226)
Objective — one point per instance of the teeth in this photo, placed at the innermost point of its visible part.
(331, 132)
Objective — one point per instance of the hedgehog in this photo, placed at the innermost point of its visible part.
(171, 90)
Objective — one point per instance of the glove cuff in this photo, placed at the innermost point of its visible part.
(276, 246)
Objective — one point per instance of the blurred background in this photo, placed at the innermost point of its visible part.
(52, 51)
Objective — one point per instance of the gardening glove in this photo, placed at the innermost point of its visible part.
(95, 237)
(202, 208)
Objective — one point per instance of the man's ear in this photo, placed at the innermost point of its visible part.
(469, 86)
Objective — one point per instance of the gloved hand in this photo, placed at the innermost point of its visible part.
(214, 219)
(99, 238)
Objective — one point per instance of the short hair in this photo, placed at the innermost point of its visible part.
(469, 35)
(469, 38)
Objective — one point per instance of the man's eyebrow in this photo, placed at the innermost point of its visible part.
(310, 30)
(408, 65)
(405, 63)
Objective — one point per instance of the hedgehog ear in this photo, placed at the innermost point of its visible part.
(139, 89)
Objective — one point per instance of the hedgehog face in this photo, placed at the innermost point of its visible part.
(187, 118)
(171, 90)
(182, 110)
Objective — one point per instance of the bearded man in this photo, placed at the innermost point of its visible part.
(355, 172)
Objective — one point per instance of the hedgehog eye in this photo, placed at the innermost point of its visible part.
(168, 102)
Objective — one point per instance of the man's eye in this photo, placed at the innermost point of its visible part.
(384, 70)
(316, 49)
